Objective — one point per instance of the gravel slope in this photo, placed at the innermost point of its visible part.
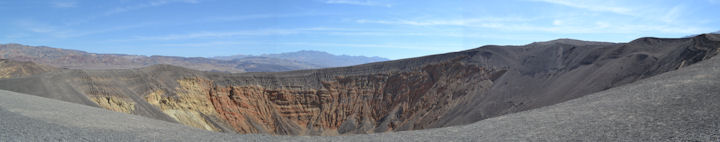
(680, 105)
(434, 91)
(31, 118)
(676, 106)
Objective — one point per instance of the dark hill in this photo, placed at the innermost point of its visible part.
(570, 42)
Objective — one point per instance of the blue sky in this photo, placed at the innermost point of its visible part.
(388, 28)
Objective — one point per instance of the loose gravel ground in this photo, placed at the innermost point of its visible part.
(680, 105)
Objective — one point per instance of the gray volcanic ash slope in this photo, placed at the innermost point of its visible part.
(30, 118)
(679, 105)
(675, 106)
(411, 94)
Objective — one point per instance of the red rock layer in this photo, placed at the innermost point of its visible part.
(351, 104)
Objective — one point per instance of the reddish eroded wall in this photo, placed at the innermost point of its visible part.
(351, 104)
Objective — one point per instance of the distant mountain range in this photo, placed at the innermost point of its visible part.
(74, 59)
(318, 58)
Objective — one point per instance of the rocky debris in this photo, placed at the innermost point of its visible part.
(351, 104)
(114, 103)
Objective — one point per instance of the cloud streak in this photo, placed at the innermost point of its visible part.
(64, 4)
(228, 34)
(198, 35)
(646, 11)
(65, 32)
(260, 16)
(557, 26)
(597, 28)
(598, 6)
(150, 4)
(310, 31)
(445, 22)
(412, 46)
(359, 2)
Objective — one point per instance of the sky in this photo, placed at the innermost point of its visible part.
(393, 29)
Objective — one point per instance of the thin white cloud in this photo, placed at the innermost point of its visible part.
(426, 47)
(208, 44)
(117, 10)
(401, 33)
(597, 28)
(149, 4)
(65, 32)
(217, 34)
(314, 30)
(557, 26)
(416, 23)
(227, 34)
(672, 15)
(646, 11)
(413, 46)
(325, 31)
(16, 35)
(645, 17)
(258, 16)
(446, 22)
(64, 4)
(245, 17)
(600, 6)
(359, 2)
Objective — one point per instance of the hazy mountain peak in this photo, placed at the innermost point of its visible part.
(75, 59)
(320, 58)
(310, 51)
(299, 53)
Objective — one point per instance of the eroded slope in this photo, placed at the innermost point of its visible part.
(13, 69)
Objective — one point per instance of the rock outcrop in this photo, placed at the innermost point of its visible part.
(13, 69)
(418, 93)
